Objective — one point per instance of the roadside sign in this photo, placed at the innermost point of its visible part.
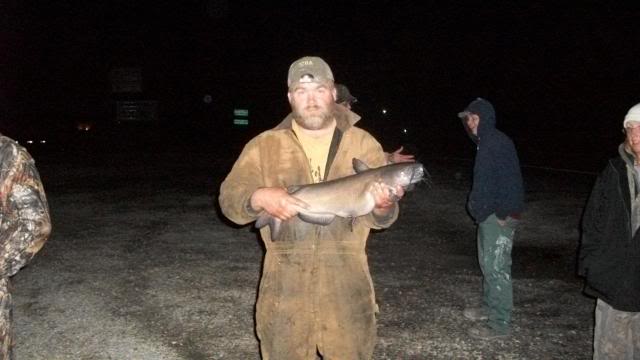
(241, 117)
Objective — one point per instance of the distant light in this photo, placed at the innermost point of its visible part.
(29, 141)
(207, 99)
(243, 122)
(384, 111)
(43, 141)
(405, 130)
(84, 126)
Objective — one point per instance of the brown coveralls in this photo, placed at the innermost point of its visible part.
(24, 226)
(316, 292)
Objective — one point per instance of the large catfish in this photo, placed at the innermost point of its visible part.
(347, 197)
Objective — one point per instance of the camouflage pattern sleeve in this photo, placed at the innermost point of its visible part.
(25, 224)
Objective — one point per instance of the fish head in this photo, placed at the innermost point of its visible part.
(403, 174)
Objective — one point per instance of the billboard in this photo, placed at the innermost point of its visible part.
(136, 110)
(126, 80)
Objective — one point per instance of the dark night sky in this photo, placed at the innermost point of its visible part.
(557, 74)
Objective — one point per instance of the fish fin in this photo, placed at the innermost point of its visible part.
(275, 227)
(318, 219)
(263, 220)
(359, 165)
(293, 188)
(274, 224)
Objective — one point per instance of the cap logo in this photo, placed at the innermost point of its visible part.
(305, 63)
(306, 78)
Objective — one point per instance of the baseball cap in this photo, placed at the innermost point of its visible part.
(344, 95)
(309, 69)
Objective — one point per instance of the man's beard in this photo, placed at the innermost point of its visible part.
(316, 121)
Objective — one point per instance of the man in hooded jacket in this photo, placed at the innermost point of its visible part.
(609, 257)
(495, 203)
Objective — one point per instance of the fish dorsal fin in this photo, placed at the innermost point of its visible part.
(293, 188)
(359, 165)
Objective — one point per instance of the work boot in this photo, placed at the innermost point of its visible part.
(485, 332)
(476, 313)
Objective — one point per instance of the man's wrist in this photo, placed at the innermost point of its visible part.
(253, 203)
(249, 208)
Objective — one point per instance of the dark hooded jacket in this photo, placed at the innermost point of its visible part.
(497, 181)
(609, 256)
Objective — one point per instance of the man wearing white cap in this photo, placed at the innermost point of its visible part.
(316, 295)
(609, 257)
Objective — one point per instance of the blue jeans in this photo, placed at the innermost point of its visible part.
(495, 242)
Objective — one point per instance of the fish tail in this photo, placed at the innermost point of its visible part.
(274, 224)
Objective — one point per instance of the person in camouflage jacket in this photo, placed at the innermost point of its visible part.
(25, 225)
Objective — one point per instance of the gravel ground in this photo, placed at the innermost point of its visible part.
(142, 266)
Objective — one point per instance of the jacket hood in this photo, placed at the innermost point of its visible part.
(626, 155)
(485, 111)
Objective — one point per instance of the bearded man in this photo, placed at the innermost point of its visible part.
(316, 296)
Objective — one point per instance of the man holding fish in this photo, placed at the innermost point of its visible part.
(316, 296)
